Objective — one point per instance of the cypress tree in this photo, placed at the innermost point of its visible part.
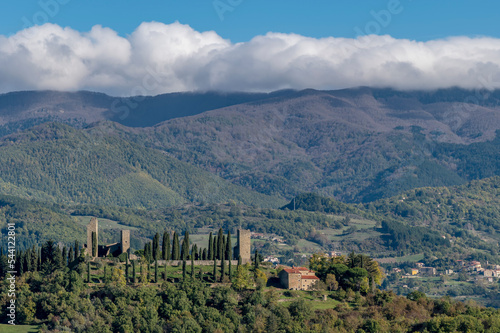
(200, 254)
(148, 275)
(185, 249)
(210, 246)
(105, 278)
(214, 275)
(204, 255)
(27, 261)
(156, 246)
(94, 244)
(126, 269)
(239, 261)
(165, 249)
(175, 247)
(184, 269)
(220, 243)
(148, 252)
(165, 273)
(77, 249)
(88, 271)
(222, 267)
(229, 253)
(34, 259)
(64, 257)
(256, 263)
(192, 266)
(156, 271)
(40, 259)
(134, 278)
(214, 248)
(194, 252)
(141, 272)
(71, 258)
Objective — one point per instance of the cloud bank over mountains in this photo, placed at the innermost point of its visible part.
(159, 58)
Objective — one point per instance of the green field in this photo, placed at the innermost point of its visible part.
(314, 302)
(18, 328)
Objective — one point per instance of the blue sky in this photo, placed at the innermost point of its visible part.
(419, 20)
(131, 47)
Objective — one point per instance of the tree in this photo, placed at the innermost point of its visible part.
(220, 243)
(105, 277)
(192, 266)
(94, 244)
(88, 272)
(134, 277)
(126, 269)
(185, 247)
(184, 269)
(117, 278)
(222, 267)
(331, 282)
(166, 246)
(210, 246)
(156, 246)
(156, 270)
(175, 247)
(242, 279)
(260, 279)
(214, 275)
(204, 254)
(214, 248)
(256, 260)
(77, 249)
(51, 257)
(64, 256)
(71, 257)
(229, 254)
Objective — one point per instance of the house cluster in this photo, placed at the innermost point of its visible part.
(272, 260)
(493, 271)
(297, 278)
(333, 254)
(419, 270)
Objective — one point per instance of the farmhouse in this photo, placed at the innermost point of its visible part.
(297, 278)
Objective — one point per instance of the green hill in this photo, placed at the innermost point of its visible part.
(57, 163)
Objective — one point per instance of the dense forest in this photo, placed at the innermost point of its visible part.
(55, 294)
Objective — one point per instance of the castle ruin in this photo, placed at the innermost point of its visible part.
(105, 250)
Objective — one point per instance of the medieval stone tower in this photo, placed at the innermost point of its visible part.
(93, 226)
(244, 245)
(125, 240)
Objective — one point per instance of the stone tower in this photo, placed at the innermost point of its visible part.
(93, 226)
(244, 244)
(125, 240)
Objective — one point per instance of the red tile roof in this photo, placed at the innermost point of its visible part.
(310, 277)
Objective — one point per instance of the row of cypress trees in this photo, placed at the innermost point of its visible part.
(218, 247)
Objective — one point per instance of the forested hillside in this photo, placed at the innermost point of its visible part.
(57, 163)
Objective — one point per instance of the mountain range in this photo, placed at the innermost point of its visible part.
(357, 145)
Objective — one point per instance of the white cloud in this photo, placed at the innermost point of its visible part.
(158, 58)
